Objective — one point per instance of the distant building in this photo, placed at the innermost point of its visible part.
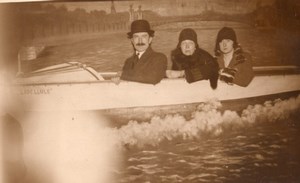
(131, 13)
(140, 13)
(135, 15)
(191, 7)
(112, 8)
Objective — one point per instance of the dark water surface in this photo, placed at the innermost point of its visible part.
(108, 52)
(264, 153)
(261, 145)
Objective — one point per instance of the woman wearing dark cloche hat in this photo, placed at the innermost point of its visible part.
(191, 61)
(235, 64)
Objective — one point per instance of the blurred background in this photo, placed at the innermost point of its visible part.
(95, 32)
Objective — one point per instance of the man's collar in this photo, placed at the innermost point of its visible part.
(145, 53)
(139, 54)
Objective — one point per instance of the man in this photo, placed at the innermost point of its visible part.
(145, 65)
(235, 64)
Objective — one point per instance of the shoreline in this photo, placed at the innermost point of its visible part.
(72, 38)
(67, 39)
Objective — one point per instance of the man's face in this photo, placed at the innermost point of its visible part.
(188, 47)
(141, 41)
(226, 46)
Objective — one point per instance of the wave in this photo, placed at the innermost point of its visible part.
(207, 119)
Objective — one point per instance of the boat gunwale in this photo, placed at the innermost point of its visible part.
(258, 71)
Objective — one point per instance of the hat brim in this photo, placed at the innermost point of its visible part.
(150, 32)
(227, 37)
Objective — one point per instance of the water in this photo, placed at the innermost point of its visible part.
(260, 145)
(108, 52)
(259, 154)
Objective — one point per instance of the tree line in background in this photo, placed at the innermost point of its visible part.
(38, 20)
(48, 20)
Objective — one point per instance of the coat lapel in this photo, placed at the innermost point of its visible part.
(221, 62)
(146, 55)
(233, 61)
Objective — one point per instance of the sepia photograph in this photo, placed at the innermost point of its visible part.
(150, 91)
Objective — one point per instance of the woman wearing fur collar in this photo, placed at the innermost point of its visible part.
(235, 64)
(191, 61)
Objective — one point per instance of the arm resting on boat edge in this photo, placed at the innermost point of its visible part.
(174, 73)
(244, 74)
(150, 74)
(149, 78)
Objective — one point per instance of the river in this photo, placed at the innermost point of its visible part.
(259, 145)
(107, 52)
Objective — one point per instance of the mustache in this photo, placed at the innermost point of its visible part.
(140, 44)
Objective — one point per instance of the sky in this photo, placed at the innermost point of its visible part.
(172, 7)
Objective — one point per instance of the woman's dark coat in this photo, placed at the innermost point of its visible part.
(201, 65)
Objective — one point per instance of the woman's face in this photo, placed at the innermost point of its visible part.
(226, 46)
(188, 47)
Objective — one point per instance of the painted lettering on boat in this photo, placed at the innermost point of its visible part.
(35, 91)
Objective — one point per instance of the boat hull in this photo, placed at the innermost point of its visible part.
(131, 100)
(101, 95)
(122, 116)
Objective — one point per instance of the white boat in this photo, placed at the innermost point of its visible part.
(73, 86)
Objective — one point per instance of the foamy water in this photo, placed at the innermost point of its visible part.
(260, 145)
(206, 120)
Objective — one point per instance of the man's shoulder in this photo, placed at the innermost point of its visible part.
(158, 56)
(129, 58)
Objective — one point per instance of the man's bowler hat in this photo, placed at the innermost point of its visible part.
(140, 26)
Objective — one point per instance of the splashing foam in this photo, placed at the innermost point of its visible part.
(206, 119)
